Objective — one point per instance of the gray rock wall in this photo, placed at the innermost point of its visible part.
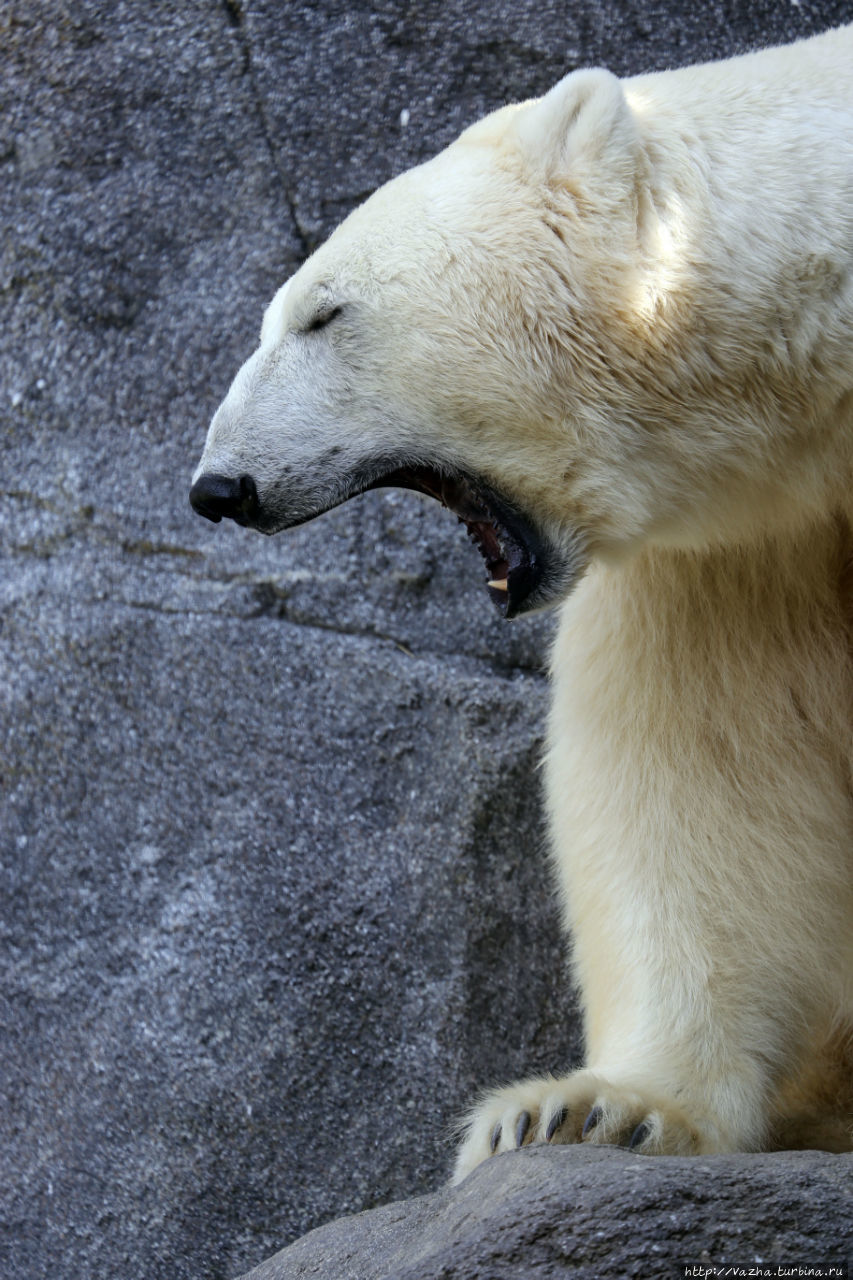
(274, 897)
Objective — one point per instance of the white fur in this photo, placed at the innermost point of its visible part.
(629, 307)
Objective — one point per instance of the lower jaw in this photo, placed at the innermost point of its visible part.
(525, 577)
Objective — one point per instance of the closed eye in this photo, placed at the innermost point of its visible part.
(322, 318)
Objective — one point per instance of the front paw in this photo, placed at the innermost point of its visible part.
(582, 1107)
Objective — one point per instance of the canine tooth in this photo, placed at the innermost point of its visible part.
(499, 584)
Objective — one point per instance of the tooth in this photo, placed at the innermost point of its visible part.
(499, 584)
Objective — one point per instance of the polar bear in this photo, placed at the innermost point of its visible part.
(612, 330)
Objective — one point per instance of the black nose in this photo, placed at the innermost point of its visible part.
(215, 496)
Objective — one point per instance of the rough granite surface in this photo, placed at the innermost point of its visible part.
(598, 1213)
(274, 900)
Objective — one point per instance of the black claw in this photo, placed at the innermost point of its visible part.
(522, 1124)
(591, 1121)
(639, 1135)
(556, 1122)
(495, 1137)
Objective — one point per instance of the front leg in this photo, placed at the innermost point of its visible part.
(700, 830)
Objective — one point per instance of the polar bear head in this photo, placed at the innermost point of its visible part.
(474, 331)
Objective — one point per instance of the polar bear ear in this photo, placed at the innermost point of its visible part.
(582, 127)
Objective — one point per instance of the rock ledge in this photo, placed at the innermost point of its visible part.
(592, 1213)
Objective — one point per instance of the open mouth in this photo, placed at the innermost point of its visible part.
(524, 569)
(511, 548)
